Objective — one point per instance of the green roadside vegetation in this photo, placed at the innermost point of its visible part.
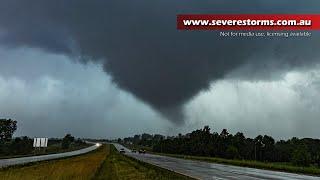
(276, 166)
(78, 167)
(285, 167)
(118, 166)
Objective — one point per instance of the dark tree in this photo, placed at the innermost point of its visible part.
(7, 128)
(66, 141)
(301, 157)
(232, 152)
(21, 145)
(224, 133)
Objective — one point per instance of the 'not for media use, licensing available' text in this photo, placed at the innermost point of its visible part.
(265, 34)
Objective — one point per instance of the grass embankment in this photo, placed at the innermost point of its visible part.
(118, 166)
(79, 167)
(285, 167)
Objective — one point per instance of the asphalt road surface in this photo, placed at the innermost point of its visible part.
(25, 160)
(204, 170)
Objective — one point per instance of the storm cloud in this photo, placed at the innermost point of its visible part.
(140, 48)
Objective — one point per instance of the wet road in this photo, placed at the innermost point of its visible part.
(204, 170)
(25, 160)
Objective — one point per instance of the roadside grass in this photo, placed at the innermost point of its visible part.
(118, 166)
(285, 167)
(78, 167)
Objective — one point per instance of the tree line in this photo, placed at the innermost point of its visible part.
(203, 142)
(10, 146)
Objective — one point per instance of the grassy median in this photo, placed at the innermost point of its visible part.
(121, 167)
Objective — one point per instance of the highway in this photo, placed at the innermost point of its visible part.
(204, 170)
(25, 160)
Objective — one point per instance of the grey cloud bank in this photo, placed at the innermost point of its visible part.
(193, 76)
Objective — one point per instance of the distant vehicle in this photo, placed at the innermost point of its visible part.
(133, 150)
(122, 150)
(142, 151)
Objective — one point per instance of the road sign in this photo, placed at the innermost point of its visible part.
(40, 142)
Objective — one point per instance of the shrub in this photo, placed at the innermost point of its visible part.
(66, 141)
(301, 157)
(232, 152)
